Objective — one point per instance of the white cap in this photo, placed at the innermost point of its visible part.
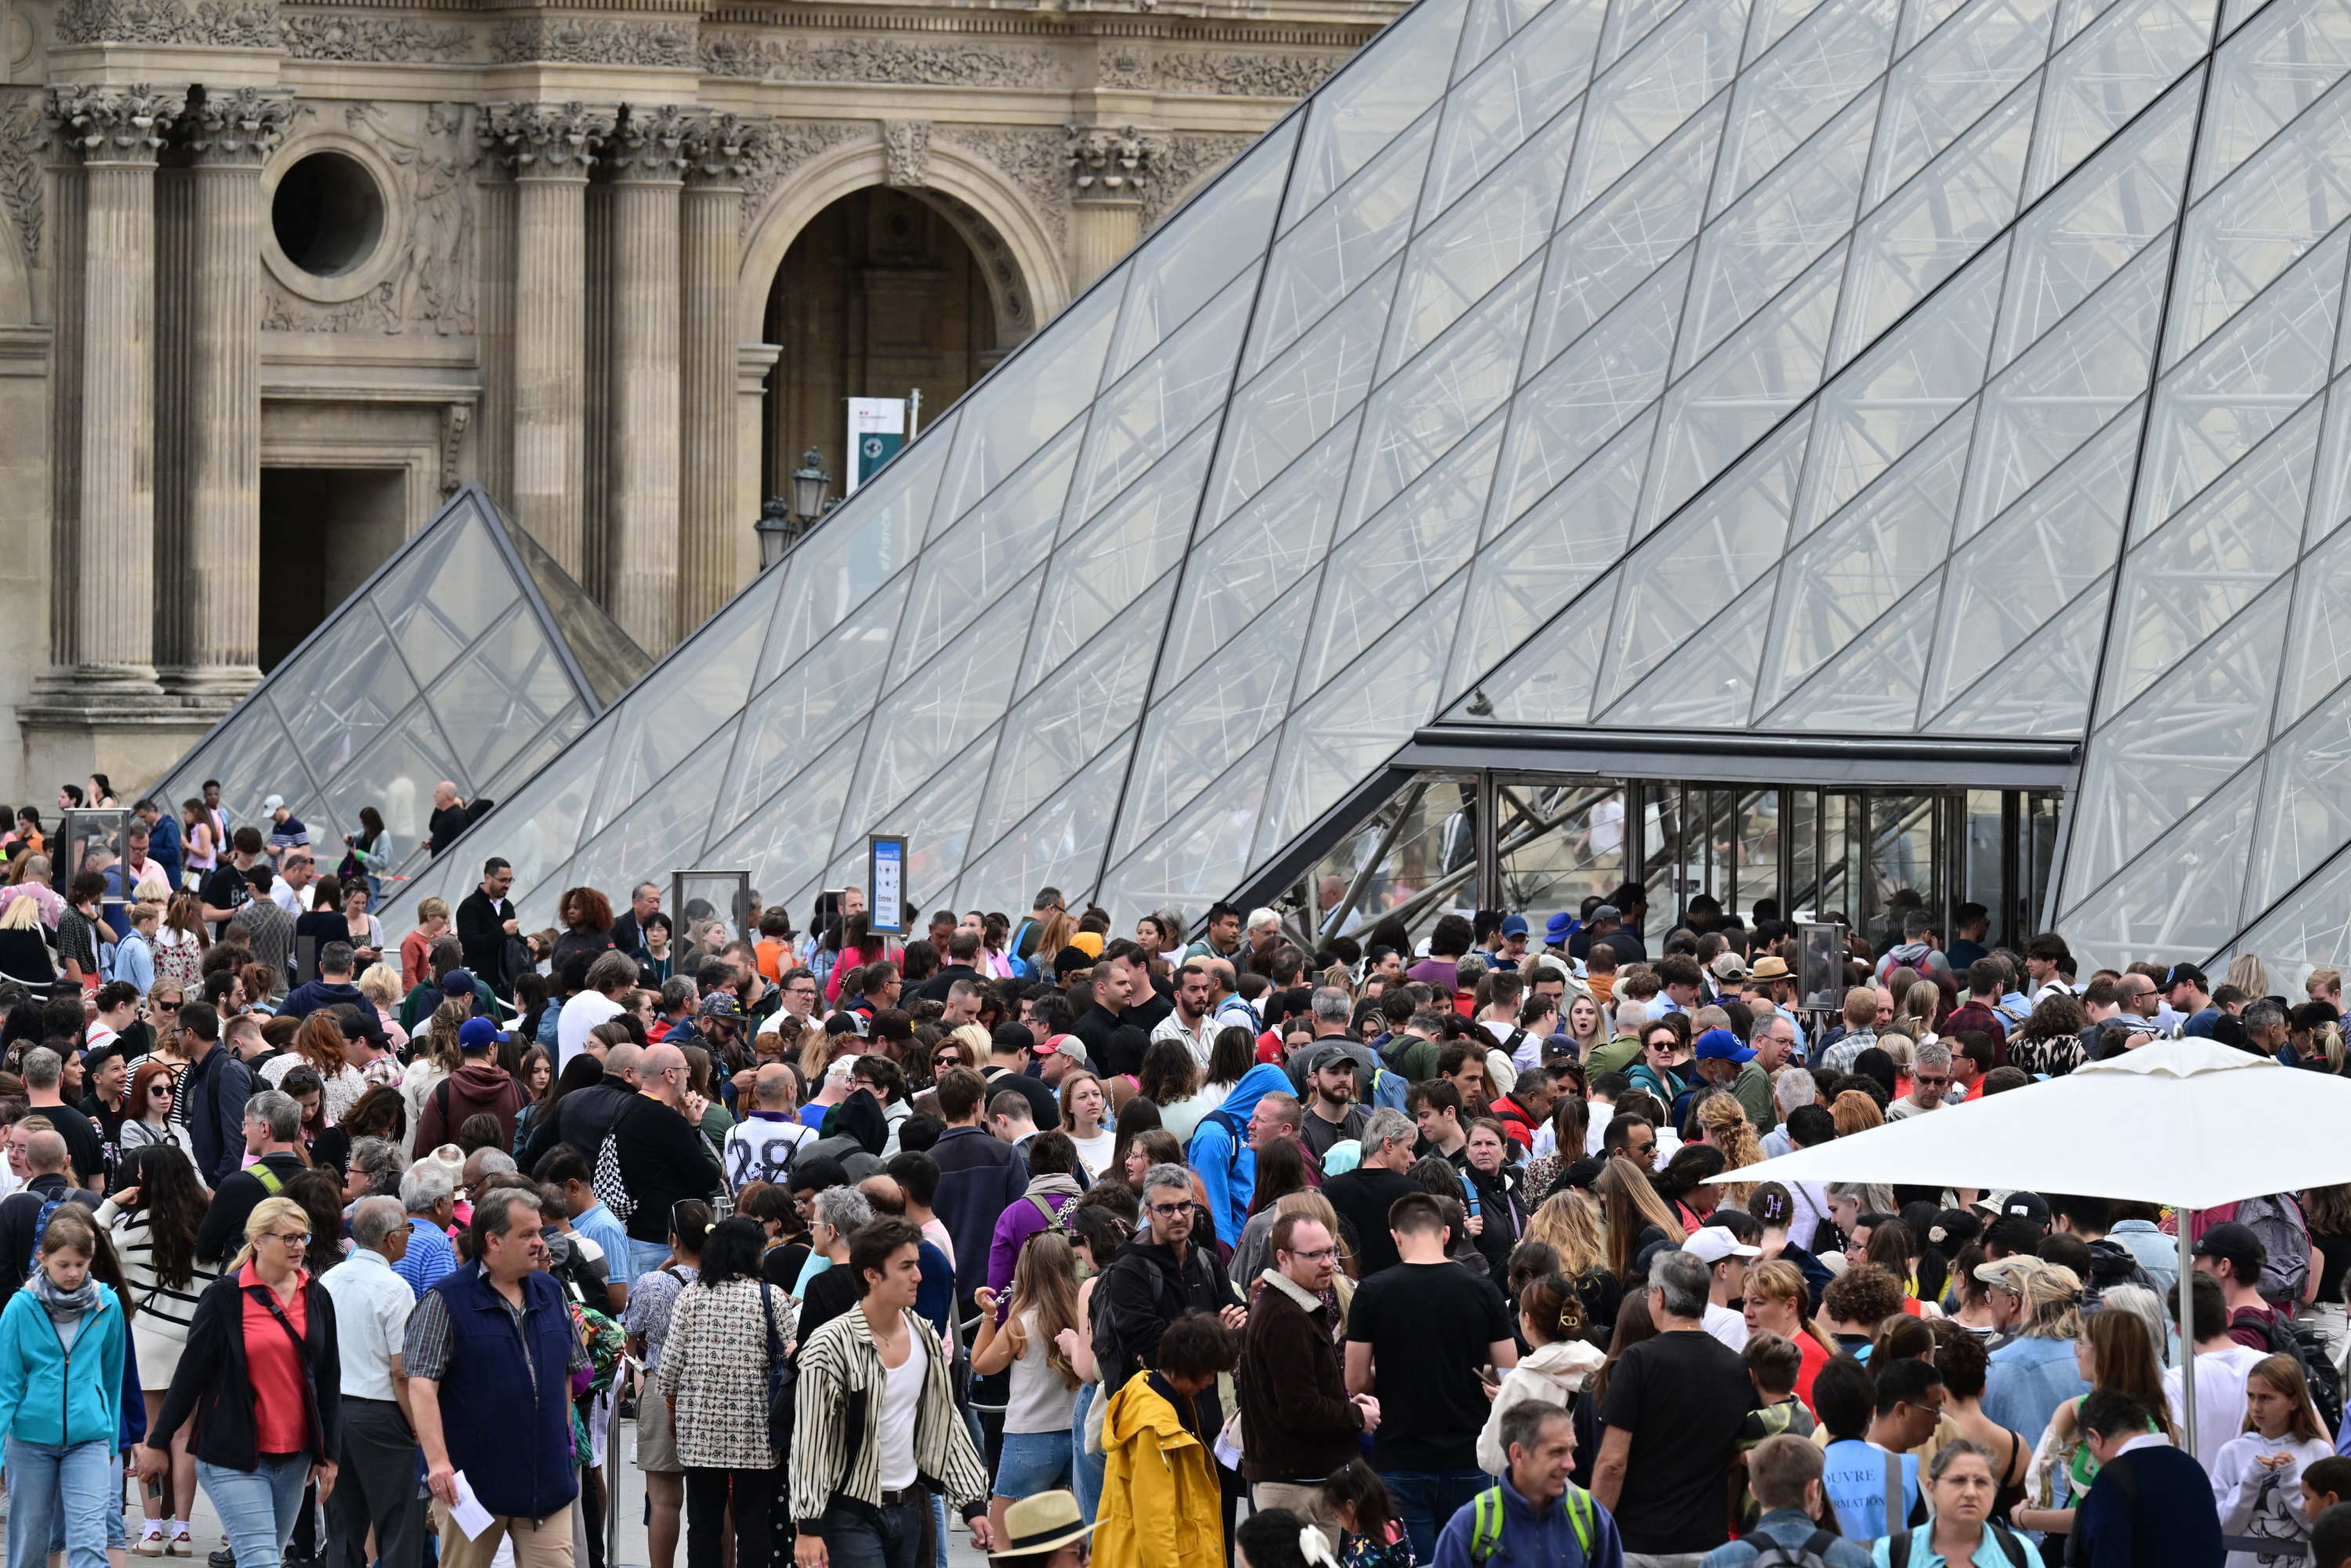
(271, 802)
(1715, 1242)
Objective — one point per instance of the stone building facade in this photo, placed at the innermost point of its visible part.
(275, 278)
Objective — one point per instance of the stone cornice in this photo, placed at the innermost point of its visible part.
(1306, 32)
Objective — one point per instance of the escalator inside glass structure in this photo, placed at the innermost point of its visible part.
(1541, 844)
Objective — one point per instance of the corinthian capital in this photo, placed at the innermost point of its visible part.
(545, 141)
(721, 148)
(241, 127)
(648, 144)
(113, 124)
(1108, 163)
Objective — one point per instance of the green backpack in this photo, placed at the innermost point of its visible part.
(1486, 1522)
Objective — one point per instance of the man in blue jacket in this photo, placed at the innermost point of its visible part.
(979, 1177)
(500, 1418)
(1536, 1515)
(215, 1091)
(1220, 1153)
(2151, 1506)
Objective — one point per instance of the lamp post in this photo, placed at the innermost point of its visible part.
(809, 482)
(782, 523)
(775, 530)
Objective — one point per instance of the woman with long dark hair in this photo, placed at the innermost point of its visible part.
(370, 851)
(153, 1219)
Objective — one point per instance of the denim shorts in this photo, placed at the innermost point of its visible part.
(1032, 1462)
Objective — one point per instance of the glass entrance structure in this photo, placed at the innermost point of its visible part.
(1868, 407)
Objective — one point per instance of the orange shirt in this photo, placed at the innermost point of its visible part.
(281, 1416)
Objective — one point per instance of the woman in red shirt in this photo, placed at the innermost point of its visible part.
(262, 1372)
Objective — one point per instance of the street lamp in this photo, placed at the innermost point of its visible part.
(809, 482)
(775, 530)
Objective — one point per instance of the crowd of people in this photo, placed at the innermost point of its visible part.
(1225, 1242)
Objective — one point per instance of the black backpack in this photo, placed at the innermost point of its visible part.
(2287, 1337)
(1813, 1554)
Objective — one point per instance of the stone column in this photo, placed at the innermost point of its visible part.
(494, 425)
(118, 131)
(229, 138)
(548, 147)
(70, 183)
(718, 149)
(647, 160)
(1107, 172)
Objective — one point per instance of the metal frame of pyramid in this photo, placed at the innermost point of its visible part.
(469, 655)
(1901, 390)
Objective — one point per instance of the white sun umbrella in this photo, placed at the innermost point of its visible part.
(2189, 1123)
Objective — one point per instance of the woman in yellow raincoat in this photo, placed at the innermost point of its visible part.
(1160, 1504)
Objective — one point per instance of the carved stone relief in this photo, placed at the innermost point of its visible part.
(337, 36)
(431, 282)
(1182, 164)
(1107, 163)
(1035, 160)
(23, 140)
(574, 40)
(788, 144)
(890, 61)
(906, 143)
(230, 24)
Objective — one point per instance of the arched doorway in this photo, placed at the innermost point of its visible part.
(877, 296)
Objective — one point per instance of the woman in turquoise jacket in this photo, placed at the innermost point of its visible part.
(62, 1342)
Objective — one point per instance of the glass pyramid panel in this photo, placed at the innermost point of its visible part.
(1867, 366)
(458, 655)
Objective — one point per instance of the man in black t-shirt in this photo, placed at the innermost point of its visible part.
(225, 890)
(1671, 1420)
(1008, 1070)
(1417, 1337)
(1363, 1196)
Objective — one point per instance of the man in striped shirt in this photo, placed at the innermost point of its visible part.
(876, 1417)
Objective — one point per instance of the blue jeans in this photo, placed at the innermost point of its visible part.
(114, 1532)
(889, 1538)
(257, 1506)
(54, 1483)
(1085, 1470)
(644, 1256)
(1427, 1500)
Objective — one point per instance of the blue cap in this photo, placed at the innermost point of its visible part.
(1514, 926)
(478, 1034)
(1721, 1045)
(1559, 927)
(457, 983)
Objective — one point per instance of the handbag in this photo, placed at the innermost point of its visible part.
(783, 1383)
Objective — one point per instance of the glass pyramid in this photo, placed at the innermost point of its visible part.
(1871, 367)
(469, 655)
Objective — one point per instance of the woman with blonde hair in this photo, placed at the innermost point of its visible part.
(262, 1380)
(1922, 1005)
(2111, 1350)
(1724, 1125)
(1780, 1300)
(1568, 1222)
(1854, 1111)
(380, 984)
(2251, 976)
(1634, 1207)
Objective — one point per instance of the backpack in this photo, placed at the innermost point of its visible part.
(1897, 1547)
(2289, 1338)
(1388, 1089)
(1486, 1521)
(1814, 1553)
(2285, 1269)
(1110, 1351)
(610, 1189)
(1054, 1218)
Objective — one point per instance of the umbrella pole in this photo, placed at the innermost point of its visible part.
(2188, 1334)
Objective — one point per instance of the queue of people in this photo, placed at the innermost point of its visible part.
(1131, 1249)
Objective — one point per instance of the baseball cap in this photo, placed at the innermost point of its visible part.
(892, 1023)
(2185, 974)
(723, 1005)
(1715, 1242)
(1067, 1045)
(2014, 1273)
(844, 1023)
(1559, 927)
(2025, 1205)
(271, 802)
(1721, 1045)
(1606, 911)
(1011, 1037)
(1727, 966)
(1514, 925)
(1769, 967)
(457, 983)
(478, 1034)
(2237, 1244)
